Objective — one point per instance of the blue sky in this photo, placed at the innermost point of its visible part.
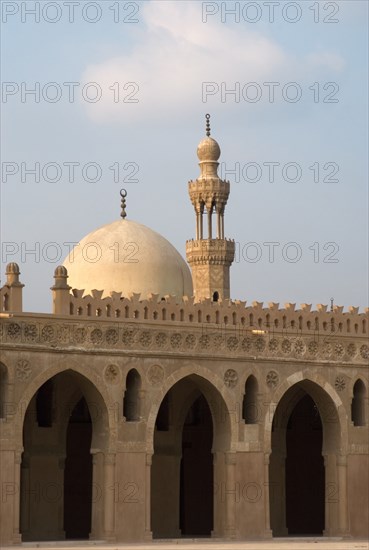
(167, 56)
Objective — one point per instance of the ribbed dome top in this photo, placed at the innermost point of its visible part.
(208, 149)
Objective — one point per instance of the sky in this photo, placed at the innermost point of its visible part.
(120, 93)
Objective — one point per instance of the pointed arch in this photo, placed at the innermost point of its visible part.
(324, 411)
(191, 453)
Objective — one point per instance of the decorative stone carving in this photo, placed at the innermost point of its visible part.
(286, 346)
(364, 351)
(63, 334)
(327, 349)
(246, 344)
(273, 345)
(230, 378)
(111, 336)
(221, 341)
(79, 335)
(145, 338)
(300, 347)
(161, 339)
(190, 341)
(218, 341)
(48, 333)
(176, 340)
(112, 374)
(351, 350)
(272, 379)
(204, 341)
(23, 370)
(128, 337)
(313, 347)
(155, 375)
(14, 331)
(340, 383)
(339, 350)
(260, 344)
(96, 336)
(232, 343)
(30, 333)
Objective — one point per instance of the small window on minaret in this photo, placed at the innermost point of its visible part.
(215, 296)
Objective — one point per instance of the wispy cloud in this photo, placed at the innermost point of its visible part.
(177, 53)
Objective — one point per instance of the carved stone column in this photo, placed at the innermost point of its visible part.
(342, 492)
(267, 529)
(148, 532)
(230, 496)
(278, 490)
(60, 512)
(141, 404)
(24, 501)
(97, 496)
(109, 505)
(16, 503)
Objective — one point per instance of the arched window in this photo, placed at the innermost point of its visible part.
(215, 296)
(131, 396)
(357, 404)
(250, 406)
(3, 385)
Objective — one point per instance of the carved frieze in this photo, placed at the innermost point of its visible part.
(203, 339)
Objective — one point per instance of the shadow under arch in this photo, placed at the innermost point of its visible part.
(221, 403)
(321, 409)
(93, 386)
(77, 425)
(192, 404)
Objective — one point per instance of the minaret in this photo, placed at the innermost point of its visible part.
(210, 258)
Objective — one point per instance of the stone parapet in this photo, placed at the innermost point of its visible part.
(199, 339)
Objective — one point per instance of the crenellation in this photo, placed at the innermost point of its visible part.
(75, 303)
(182, 309)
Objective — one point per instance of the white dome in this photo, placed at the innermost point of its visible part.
(128, 257)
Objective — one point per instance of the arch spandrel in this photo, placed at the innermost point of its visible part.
(215, 392)
(329, 404)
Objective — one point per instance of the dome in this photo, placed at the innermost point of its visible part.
(128, 257)
(12, 269)
(208, 149)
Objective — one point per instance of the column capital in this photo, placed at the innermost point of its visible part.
(17, 457)
(109, 459)
(341, 460)
(230, 458)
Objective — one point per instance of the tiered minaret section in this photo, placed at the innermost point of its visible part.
(209, 257)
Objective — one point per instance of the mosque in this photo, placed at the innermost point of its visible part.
(149, 405)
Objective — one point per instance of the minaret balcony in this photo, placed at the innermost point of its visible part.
(210, 251)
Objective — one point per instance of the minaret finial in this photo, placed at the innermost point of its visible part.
(332, 304)
(207, 125)
(123, 194)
